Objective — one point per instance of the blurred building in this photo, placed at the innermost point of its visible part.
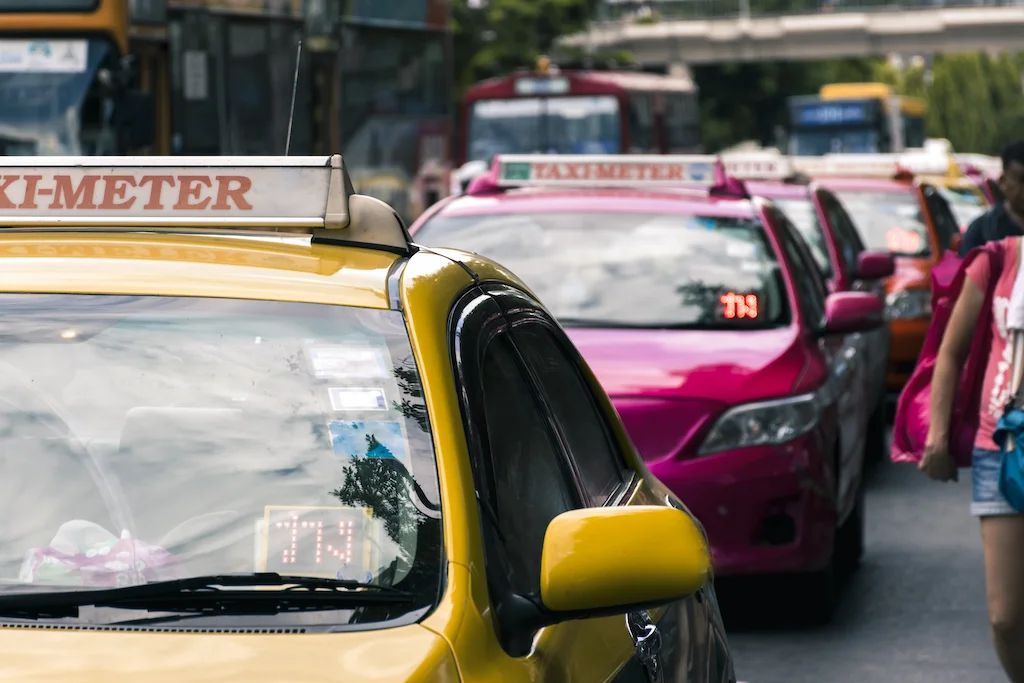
(374, 82)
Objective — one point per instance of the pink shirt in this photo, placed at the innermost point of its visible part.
(995, 390)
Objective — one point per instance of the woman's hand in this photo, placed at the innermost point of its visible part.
(938, 464)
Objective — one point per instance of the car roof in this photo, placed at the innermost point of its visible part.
(603, 200)
(274, 228)
(195, 265)
(773, 189)
(864, 184)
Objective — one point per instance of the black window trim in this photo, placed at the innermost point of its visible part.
(527, 312)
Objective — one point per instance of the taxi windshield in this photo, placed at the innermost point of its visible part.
(631, 269)
(888, 221)
(802, 214)
(147, 438)
(965, 202)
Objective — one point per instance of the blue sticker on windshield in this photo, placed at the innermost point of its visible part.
(704, 222)
(369, 440)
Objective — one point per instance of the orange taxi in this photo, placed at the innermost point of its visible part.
(896, 210)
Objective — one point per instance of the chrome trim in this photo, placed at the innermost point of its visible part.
(395, 282)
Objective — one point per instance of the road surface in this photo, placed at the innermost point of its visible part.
(914, 611)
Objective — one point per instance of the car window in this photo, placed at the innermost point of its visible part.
(530, 479)
(847, 241)
(221, 435)
(804, 217)
(966, 203)
(807, 278)
(946, 225)
(888, 220)
(571, 402)
(631, 269)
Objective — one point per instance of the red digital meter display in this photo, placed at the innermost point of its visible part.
(902, 241)
(738, 306)
(315, 541)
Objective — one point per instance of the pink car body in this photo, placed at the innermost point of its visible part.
(766, 508)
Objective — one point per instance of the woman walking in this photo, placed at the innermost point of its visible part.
(991, 277)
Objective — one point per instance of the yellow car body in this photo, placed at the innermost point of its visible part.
(625, 587)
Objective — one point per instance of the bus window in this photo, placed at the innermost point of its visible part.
(551, 125)
(641, 124)
(681, 117)
(913, 131)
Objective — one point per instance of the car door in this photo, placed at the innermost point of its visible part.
(874, 344)
(845, 360)
(690, 645)
(525, 476)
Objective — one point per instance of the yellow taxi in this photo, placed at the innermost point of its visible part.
(965, 196)
(250, 432)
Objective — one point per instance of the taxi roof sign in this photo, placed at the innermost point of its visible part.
(757, 165)
(872, 165)
(595, 170)
(193, 194)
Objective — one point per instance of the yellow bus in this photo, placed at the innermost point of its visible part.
(862, 118)
(67, 82)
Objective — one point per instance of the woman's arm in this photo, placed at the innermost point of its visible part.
(956, 344)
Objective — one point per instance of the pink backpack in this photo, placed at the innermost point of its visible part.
(910, 428)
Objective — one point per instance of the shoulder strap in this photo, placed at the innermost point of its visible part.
(1017, 341)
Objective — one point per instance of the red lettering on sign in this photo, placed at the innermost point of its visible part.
(31, 182)
(5, 201)
(115, 189)
(121, 192)
(236, 194)
(191, 188)
(81, 197)
(659, 172)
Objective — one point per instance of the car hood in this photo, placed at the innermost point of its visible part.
(669, 386)
(408, 653)
(726, 366)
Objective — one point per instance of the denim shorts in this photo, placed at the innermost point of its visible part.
(986, 499)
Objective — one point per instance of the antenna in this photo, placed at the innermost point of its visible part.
(295, 90)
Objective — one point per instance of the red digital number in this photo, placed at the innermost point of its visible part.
(333, 541)
(739, 306)
(903, 241)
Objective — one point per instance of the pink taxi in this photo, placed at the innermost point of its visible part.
(703, 315)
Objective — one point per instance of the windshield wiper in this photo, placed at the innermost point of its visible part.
(228, 594)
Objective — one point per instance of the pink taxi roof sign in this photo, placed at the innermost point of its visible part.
(312, 195)
(760, 165)
(872, 165)
(593, 170)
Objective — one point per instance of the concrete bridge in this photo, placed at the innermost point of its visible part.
(691, 32)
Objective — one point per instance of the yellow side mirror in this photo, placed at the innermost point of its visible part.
(612, 560)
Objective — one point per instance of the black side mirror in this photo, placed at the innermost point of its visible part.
(137, 119)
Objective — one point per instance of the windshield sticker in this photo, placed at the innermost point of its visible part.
(752, 266)
(370, 440)
(333, 542)
(741, 250)
(44, 56)
(340, 361)
(703, 222)
(357, 398)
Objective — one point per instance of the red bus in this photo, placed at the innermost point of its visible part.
(548, 111)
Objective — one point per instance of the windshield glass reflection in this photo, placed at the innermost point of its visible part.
(965, 203)
(631, 270)
(149, 438)
(804, 216)
(888, 221)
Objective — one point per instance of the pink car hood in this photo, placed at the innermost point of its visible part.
(670, 385)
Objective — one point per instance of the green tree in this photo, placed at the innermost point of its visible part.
(505, 35)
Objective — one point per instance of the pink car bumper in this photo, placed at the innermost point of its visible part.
(766, 510)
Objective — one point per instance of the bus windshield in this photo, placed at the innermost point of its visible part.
(545, 125)
(834, 141)
(52, 99)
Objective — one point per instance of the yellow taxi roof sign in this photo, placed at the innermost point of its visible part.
(599, 170)
(276, 194)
